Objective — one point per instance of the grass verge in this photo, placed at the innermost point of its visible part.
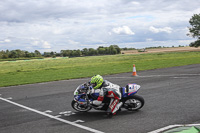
(35, 71)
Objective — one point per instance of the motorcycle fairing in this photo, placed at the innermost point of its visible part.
(130, 89)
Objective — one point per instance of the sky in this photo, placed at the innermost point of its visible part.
(54, 25)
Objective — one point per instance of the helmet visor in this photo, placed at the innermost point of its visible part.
(94, 84)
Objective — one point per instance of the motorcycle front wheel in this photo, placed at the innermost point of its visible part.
(134, 103)
(79, 107)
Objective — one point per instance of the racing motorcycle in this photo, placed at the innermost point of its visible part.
(84, 95)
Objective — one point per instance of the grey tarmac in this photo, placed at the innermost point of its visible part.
(171, 96)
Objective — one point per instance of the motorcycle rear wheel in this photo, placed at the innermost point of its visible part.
(78, 107)
(134, 103)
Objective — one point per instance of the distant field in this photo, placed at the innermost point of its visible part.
(35, 71)
(156, 50)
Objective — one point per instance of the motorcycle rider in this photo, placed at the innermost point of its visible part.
(107, 89)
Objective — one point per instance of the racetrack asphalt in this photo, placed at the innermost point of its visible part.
(172, 96)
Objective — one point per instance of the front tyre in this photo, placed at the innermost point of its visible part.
(134, 103)
(80, 107)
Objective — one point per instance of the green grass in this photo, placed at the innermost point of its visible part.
(35, 71)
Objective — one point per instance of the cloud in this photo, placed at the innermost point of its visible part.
(149, 39)
(157, 30)
(75, 24)
(5, 41)
(123, 30)
(73, 42)
(41, 44)
(46, 45)
(135, 3)
(35, 43)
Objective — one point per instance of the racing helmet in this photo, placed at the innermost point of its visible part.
(96, 81)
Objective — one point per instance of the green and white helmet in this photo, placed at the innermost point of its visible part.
(96, 81)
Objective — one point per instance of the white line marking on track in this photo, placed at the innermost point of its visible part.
(86, 79)
(149, 76)
(164, 128)
(172, 126)
(48, 111)
(58, 116)
(66, 112)
(193, 125)
(77, 121)
(52, 117)
(9, 98)
(180, 77)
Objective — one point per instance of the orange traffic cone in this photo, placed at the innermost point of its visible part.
(134, 70)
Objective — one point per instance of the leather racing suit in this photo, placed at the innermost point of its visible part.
(112, 91)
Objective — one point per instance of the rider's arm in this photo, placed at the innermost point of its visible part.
(101, 97)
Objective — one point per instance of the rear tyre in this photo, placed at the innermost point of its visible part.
(133, 103)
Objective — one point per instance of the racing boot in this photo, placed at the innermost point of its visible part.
(117, 108)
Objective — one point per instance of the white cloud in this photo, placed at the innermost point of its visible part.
(123, 30)
(73, 42)
(40, 43)
(149, 39)
(35, 43)
(157, 30)
(135, 3)
(7, 40)
(46, 45)
(75, 24)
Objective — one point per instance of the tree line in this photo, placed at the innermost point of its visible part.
(111, 50)
(19, 54)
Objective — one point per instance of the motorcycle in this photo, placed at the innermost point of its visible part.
(84, 95)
